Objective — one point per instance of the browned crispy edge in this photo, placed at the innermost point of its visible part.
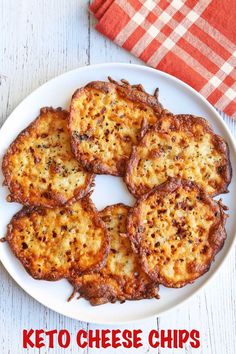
(104, 294)
(28, 211)
(134, 93)
(217, 233)
(184, 122)
(57, 199)
(114, 206)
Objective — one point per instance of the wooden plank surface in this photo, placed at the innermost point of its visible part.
(40, 39)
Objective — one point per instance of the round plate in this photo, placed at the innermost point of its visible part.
(175, 96)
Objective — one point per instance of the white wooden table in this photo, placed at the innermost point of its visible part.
(40, 39)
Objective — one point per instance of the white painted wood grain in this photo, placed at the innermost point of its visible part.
(40, 39)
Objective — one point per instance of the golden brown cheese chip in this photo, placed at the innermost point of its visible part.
(122, 277)
(177, 230)
(181, 146)
(39, 167)
(106, 120)
(56, 243)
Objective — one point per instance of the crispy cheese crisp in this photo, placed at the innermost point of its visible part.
(181, 146)
(106, 119)
(39, 167)
(122, 277)
(61, 242)
(177, 230)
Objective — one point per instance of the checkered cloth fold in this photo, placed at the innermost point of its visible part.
(192, 40)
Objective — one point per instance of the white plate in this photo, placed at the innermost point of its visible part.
(178, 98)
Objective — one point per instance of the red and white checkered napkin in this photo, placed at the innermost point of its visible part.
(194, 40)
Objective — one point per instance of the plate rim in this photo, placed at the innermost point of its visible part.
(233, 144)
